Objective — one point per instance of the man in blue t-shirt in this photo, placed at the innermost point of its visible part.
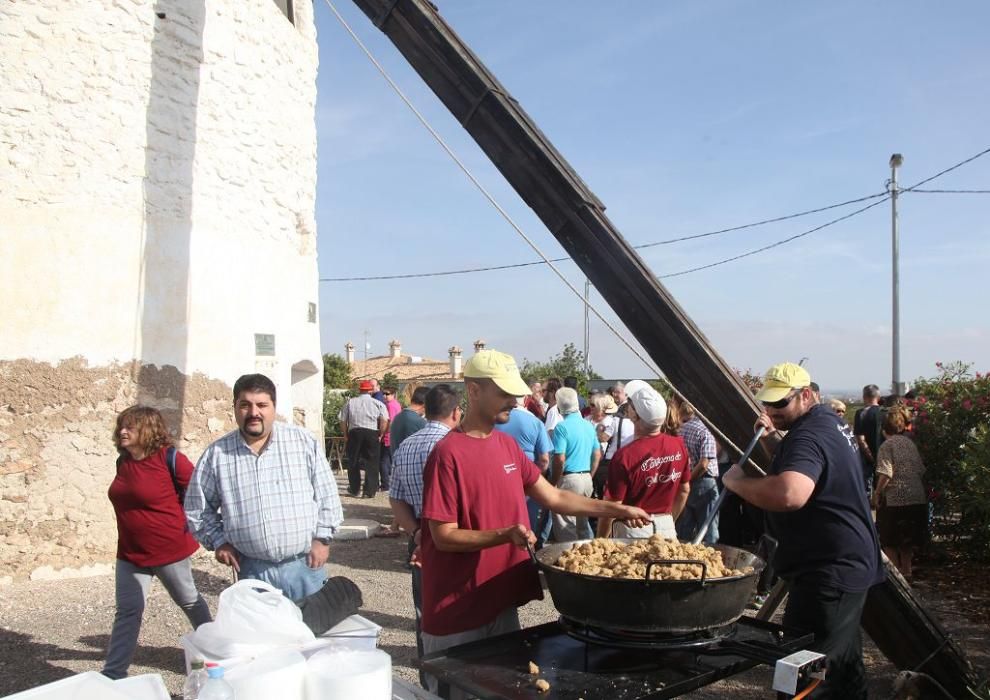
(816, 508)
(576, 453)
(531, 435)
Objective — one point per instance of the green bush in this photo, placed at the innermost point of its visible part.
(952, 427)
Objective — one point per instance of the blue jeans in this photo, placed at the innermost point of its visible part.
(701, 501)
(293, 576)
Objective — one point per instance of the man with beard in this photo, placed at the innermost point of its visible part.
(262, 499)
(476, 571)
(816, 508)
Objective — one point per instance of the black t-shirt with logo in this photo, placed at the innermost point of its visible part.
(832, 539)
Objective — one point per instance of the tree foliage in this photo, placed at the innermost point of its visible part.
(568, 363)
(336, 372)
(333, 401)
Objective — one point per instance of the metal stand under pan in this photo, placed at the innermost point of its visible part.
(645, 641)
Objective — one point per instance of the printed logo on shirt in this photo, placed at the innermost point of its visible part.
(653, 463)
(663, 478)
(847, 433)
(509, 468)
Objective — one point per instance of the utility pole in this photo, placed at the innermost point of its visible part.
(896, 385)
(587, 333)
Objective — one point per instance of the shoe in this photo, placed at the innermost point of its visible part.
(352, 494)
(757, 602)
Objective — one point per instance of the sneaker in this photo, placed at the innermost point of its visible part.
(757, 602)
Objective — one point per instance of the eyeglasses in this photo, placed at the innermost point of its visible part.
(783, 403)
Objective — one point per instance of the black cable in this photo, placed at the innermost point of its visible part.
(913, 190)
(775, 244)
(717, 263)
(948, 170)
(680, 239)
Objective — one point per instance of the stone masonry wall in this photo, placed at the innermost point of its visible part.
(157, 189)
(57, 456)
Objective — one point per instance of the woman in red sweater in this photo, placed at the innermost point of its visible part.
(152, 538)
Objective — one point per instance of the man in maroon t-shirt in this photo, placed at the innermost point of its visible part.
(652, 472)
(476, 570)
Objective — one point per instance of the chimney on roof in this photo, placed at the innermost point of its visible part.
(455, 362)
(479, 345)
(394, 349)
(349, 352)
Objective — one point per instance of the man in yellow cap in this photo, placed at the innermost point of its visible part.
(816, 508)
(476, 571)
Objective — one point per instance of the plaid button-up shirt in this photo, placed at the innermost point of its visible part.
(700, 444)
(408, 462)
(268, 506)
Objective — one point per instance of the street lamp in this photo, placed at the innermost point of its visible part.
(896, 385)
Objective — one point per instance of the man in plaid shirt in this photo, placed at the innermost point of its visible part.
(443, 412)
(704, 474)
(262, 499)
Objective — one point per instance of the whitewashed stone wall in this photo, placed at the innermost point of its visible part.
(157, 189)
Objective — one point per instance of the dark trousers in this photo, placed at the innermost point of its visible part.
(363, 449)
(385, 465)
(417, 594)
(834, 616)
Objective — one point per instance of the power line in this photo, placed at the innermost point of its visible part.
(755, 251)
(774, 244)
(951, 191)
(947, 170)
(680, 239)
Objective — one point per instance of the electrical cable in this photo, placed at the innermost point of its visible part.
(774, 244)
(807, 691)
(913, 191)
(947, 170)
(511, 266)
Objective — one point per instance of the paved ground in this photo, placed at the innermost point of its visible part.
(52, 629)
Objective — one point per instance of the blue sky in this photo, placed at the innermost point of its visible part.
(683, 117)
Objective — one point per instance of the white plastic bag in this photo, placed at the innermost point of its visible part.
(252, 614)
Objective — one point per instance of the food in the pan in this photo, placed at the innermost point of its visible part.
(613, 559)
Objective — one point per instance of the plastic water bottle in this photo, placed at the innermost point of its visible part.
(195, 681)
(216, 688)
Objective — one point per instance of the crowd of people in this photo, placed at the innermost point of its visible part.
(519, 466)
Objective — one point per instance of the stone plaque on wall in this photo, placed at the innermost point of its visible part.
(264, 344)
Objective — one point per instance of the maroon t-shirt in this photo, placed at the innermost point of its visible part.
(151, 524)
(648, 472)
(477, 483)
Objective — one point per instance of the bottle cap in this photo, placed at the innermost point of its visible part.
(215, 671)
(197, 664)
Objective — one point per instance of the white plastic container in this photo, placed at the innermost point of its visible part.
(346, 673)
(82, 686)
(147, 686)
(278, 674)
(355, 632)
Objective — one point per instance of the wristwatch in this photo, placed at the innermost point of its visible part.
(325, 541)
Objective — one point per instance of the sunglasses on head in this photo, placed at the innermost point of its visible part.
(782, 403)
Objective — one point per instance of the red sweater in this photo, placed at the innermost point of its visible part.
(151, 524)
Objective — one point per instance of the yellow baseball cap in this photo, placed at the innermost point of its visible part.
(781, 379)
(500, 368)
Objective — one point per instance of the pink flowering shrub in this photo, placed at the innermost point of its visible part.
(952, 428)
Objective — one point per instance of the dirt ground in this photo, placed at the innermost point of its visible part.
(53, 629)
